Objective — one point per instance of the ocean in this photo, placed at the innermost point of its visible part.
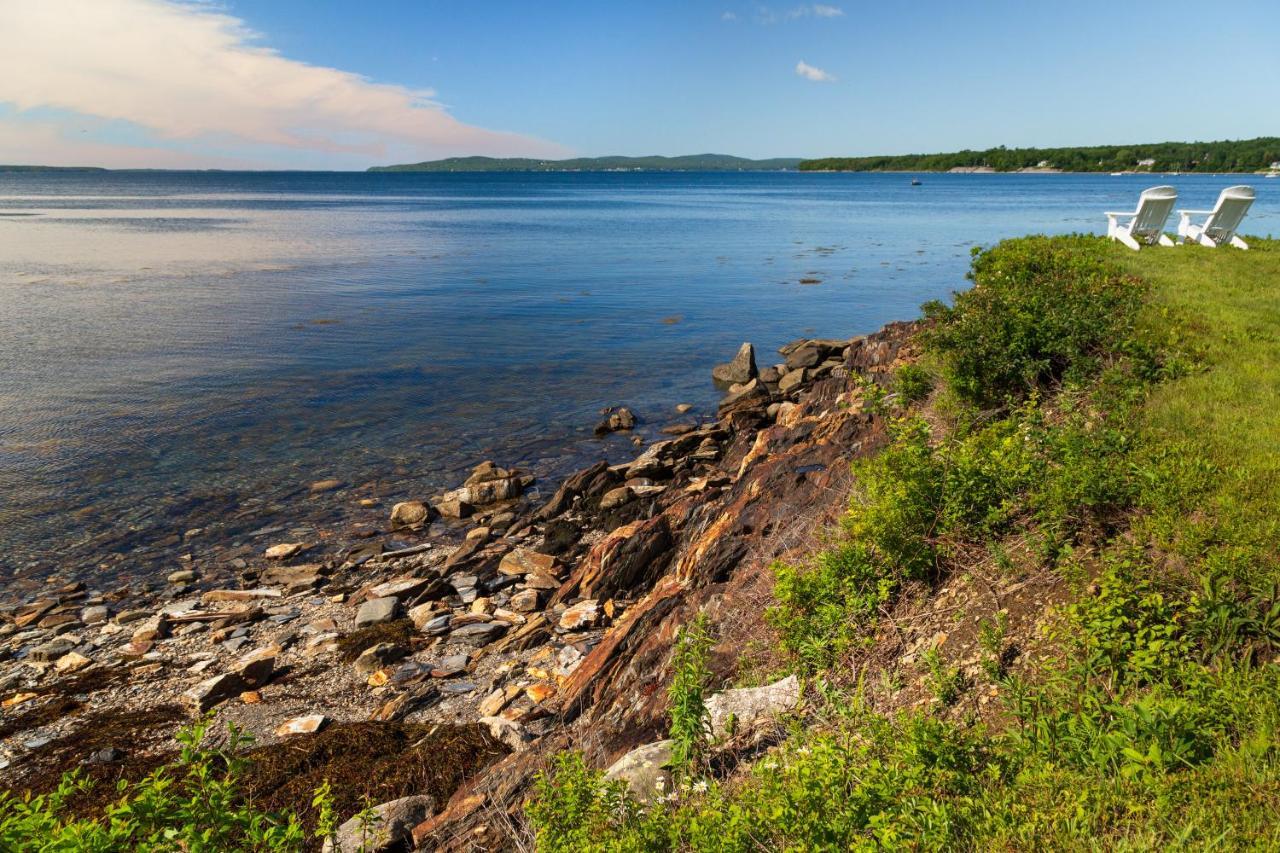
(185, 351)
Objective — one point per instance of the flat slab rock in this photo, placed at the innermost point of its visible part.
(743, 708)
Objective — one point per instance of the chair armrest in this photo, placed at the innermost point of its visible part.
(1110, 213)
(1193, 212)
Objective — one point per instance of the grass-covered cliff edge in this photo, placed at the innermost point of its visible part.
(1079, 502)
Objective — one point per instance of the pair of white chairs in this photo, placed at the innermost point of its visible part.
(1145, 226)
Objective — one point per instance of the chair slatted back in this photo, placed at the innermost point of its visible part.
(1154, 206)
(1228, 213)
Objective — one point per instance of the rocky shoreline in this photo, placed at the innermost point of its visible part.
(511, 622)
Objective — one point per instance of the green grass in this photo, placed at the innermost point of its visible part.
(1138, 447)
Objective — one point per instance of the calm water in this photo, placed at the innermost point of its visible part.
(183, 350)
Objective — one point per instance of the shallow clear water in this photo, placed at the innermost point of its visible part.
(177, 348)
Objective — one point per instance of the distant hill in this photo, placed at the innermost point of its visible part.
(688, 163)
(1246, 155)
(6, 168)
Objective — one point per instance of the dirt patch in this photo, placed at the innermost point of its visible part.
(399, 632)
(368, 763)
(144, 740)
(41, 715)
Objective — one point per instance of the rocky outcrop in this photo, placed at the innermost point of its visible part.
(549, 620)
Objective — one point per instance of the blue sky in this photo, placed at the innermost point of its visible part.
(321, 83)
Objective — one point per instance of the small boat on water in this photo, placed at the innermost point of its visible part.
(915, 182)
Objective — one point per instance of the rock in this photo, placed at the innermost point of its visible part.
(390, 827)
(72, 662)
(215, 595)
(308, 725)
(682, 408)
(584, 614)
(109, 755)
(644, 770)
(94, 615)
(33, 612)
(255, 668)
(423, 614)
(50, 651)
(805, 355)
(407, 513)
(377, 611)
(509, 732)
(742, 708)
(181, 576)
(540, 692)
(741, 369)
(750, 395)
(525, 561)
(376, 657)
(478, 634)
(450, 666)
(283, 551)
(325, 486)
(488, 484)
(213, 691)
(616, 497)
(454, 508)
(525, 601)
(618, 420)
(402, 588)
(793, 380)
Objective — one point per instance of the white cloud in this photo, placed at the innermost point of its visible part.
(816, 10)
(810, 72)
(197, 76)
(728, 16)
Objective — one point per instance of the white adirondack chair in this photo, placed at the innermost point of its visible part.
(1222, 222)
(1146, 224)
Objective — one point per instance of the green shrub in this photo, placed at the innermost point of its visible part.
(913, 383)
(687, 694)
(1041, 311)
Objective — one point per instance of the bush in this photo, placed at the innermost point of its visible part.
(1042, 311)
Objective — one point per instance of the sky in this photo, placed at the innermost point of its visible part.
(323, 84)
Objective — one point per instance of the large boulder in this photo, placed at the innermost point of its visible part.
(742, 369)
(388, 827)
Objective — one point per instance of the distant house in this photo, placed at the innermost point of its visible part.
(1275, 167)
(1147, 163)
(1043, 164)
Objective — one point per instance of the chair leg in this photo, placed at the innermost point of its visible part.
(1164, 240)
(1127, 238)
(1238, 243)
(1206, 240)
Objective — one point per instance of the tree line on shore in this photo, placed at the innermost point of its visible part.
(1247, 155)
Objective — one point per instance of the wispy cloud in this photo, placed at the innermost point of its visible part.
(195, 75)
(766, 15)
(729, 16)
(810, 72)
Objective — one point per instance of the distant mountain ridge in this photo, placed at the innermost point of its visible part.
(686, 163)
